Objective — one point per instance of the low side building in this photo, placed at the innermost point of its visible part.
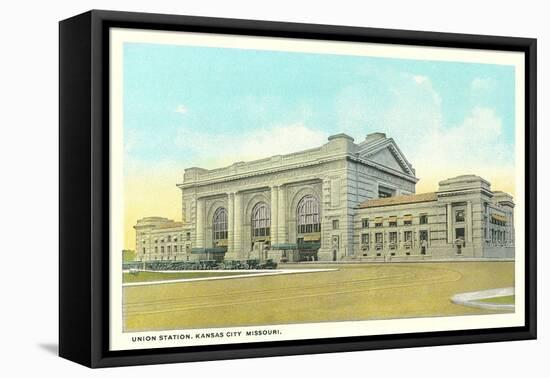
(161, 239)
(464, 218)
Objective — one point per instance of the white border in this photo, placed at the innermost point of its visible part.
(123, 341)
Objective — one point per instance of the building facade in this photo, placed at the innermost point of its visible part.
(464, 218)
(159, 239)
(340, 201)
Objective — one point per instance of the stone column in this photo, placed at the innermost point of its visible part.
(274, 215)
(449, 223)
(230, 225)
(281, 218)
(238, 226)
(469, 221)
(199, 242)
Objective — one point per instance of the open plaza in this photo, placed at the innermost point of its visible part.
(342, 292)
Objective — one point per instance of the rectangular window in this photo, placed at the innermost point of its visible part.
(393, 224)
(378, 222)
(423, 219)
(365, 223)
(169, 249)
(459, 216)
(424, 235)
(188, 236)
(407, 237)
(385, 192)
(378, 238)
(156, 249)
(335, 224)
(364, 238)
(408, 220)
(393, 237)
(162, 249)
(175, 248)
(169, 238)
(460, 233)
(143, 250)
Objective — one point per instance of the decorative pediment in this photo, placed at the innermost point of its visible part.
(388, 154)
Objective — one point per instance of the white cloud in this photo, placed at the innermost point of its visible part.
(471, 147)
(181, 109)
(478, 84)
(419, 79)
(211, 150)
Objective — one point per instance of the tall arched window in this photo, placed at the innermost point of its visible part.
(308, 218)
(220, 224)
(261, 220)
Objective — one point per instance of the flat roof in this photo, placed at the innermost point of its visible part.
(399, 200)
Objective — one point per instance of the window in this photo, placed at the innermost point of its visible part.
(175, 248)
(424, 235)
(335, 224)
(393, 242)
(423, 219)
(143, 250)
(156, 249)
(308, 217)
(460, 233)
(261, 220)
(365, 223)
(378, 238)
(385, 192)
(459, 216)
(219, 223)
(408, 220)
(169, 238)
(169, 249)
(393, 223)
(407, 237)
(162, 249)
(378, 222)
(187, 236)
(364, 238)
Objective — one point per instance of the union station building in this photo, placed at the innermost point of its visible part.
(340, 201)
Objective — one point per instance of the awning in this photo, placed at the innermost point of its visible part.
(393, 219)
(222, 243)
(499, 217)
(313, 236)
(408, 217)
(209, 250)
(309, 246)
(261, 238)
(284, 246)
(378, 219)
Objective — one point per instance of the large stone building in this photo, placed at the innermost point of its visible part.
(340, 201)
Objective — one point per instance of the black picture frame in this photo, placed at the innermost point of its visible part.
(84, 187)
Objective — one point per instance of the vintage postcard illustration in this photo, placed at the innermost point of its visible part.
(269, 189)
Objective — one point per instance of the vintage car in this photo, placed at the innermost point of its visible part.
(267, 264)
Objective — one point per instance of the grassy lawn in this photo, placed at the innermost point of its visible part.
(353, 292)
(508, 299)
(159, 276)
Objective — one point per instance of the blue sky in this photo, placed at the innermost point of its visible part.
(210, 107)
(201, 106)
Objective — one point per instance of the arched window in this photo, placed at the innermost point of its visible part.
(308, 218)
(261, 220)
(220, 224)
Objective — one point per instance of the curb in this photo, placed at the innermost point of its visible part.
(471, 299)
